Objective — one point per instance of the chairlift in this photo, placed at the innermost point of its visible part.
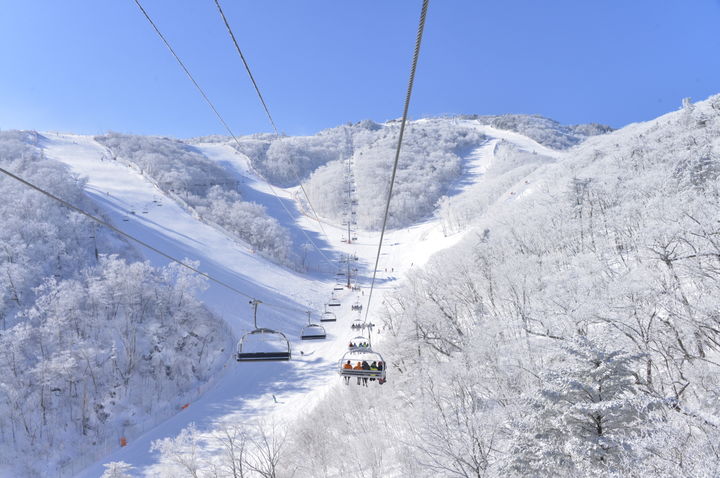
(358, 324)
(362, 354)
(339, 286)
(312, 331)
(328, 316)
(356, 306)
(357, 341)
(333, 302)
(262, 344)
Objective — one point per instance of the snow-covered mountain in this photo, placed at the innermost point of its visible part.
(574, 260)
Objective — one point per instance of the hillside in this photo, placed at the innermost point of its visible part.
(574, 333)
(528, 261)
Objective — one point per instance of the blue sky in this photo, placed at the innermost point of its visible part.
(91, 66)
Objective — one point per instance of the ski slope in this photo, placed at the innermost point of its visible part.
(133, 203)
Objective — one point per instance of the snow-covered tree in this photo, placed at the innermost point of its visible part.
(585, 417)
(118, 469)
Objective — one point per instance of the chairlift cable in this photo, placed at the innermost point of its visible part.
(139, 241)
(416, 54)
(185, 69)
(265, 107)
(222, 120)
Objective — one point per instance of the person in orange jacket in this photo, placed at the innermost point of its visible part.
(358, 366)
(347, 366)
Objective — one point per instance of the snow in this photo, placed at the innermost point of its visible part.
(243, 390)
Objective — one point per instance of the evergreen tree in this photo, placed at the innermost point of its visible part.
(584, 418)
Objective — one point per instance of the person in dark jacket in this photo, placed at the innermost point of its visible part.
(365, 366)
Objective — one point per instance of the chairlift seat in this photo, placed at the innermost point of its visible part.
(362, 354)
(328, 317)
(313, 332)
(245, 355)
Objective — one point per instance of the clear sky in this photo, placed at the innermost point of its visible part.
(89, 66)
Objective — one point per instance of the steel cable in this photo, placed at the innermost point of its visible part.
(416, 54)
(267, 110)
(139, 241)
(222, 120)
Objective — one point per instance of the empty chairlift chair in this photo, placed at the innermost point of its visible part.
(334, 301)
(312, 331)
(328, 316)
(262, 344)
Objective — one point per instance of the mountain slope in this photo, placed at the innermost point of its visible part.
(133, 202)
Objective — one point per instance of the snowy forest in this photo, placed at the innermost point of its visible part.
(573, 332)
(571, 328)
(90, 343)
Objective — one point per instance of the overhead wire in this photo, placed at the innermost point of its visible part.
(267, 110)
(416, 54)
(222, 120)
(139, 241)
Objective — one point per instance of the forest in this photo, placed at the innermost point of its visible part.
(91, 344)
(573, 332)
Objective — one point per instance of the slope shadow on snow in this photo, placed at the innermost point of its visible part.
(469, 175)
(284, 210)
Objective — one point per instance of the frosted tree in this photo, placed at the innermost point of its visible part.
(585, 417)
(117, 469)
(179, 455)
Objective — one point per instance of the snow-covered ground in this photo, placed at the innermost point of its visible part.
(286, 389)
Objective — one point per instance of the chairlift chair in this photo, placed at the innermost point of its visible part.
(360, 354)
(360, 339)
(328, 316)
(312, 331)
(254, 346)
(356, 306)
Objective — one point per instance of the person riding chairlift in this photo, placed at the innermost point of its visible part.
(358, 366)
(347, 366)
(374, 367)
(365, 366)
(380, 367)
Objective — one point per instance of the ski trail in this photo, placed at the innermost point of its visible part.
(250, 390)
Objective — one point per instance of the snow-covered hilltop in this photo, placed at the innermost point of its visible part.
(547, 301)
